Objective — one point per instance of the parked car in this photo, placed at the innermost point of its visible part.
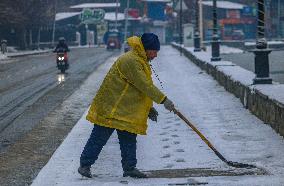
(238, 35)
(112, 39)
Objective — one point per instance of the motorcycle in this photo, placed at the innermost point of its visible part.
(62, 60)
(113, 43)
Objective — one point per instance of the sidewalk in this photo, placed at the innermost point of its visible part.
(170, 144)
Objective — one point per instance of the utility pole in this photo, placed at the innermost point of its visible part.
(180, 26)
(201, 23)
(54, 22)
(116, 12)
(196, 28)
(279, 21)
(126, 21)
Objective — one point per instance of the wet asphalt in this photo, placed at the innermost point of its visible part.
(32, 86)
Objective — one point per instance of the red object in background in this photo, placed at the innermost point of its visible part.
(133, 12)
(169, 10)
(65, 56)
(233, 14)
(236, 21)
(113, 43)
(232, 28)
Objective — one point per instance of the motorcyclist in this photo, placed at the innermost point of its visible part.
(62, 47)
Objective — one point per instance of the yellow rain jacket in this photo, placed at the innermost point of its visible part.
(127, 93)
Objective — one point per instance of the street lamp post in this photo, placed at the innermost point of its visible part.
(126, 22)
(180, 26)
(215, 44)
(196, 28)
(279, 19)
(261, 60)
(54, 23)
(116, 12)
(201, 23)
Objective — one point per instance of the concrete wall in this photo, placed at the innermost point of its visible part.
(269, 110)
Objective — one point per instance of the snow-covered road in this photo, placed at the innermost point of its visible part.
(170, 144)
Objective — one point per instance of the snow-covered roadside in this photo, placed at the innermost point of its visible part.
(226, 50)
(9, 57)
(23, 53)
(169, 144)
(2, 56)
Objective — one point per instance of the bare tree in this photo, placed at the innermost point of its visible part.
(26, 15)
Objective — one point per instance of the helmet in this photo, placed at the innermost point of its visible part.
(61, 39)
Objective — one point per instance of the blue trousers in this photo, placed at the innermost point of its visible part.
(99, 138)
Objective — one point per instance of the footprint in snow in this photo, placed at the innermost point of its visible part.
(169, 166)
(165, 139)
(179, 150)
(163, 133)
(169, 121)
(166, 146)
(166, 127)
(180, 160)
(166, 156)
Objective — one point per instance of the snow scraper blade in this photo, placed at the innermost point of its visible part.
(230, 163)
(240, 165)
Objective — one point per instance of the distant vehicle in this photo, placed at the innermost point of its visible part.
(238, 35)
(112, 40)
(113, 43)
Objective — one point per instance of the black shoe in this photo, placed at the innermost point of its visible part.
(85, 171)
(134, 173)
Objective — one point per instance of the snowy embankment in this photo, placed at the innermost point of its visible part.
(226, 50)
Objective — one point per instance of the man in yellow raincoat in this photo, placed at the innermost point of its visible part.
(123, 103)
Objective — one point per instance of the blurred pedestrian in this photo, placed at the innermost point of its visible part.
(123, 103)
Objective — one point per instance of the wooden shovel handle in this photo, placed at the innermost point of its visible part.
(200, 134)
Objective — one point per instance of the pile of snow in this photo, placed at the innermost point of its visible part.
(225, 4)
(97, 5)
(229, 50)
(226, 50)
(110, 16)
(268, 42)
(3, 56)
(64, 15)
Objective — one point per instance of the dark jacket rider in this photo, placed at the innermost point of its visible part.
(61, 45)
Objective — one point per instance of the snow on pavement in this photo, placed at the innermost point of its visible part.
(170, 144)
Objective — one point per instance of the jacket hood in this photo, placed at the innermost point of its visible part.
(136, 44)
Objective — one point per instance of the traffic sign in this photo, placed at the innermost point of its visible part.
(89, 16)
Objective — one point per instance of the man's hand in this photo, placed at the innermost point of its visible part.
(168, 104)
(153, 114)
